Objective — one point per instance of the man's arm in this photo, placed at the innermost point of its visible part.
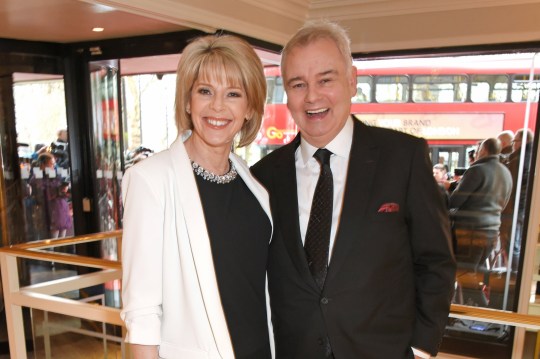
(468, 184)
(433, 260)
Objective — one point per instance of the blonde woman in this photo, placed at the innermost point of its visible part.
(196, 223)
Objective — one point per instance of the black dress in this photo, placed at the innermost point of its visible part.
(239, 232)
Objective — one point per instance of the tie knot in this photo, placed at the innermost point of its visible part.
(323, 156)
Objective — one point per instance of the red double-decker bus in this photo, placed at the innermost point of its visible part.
(452, 102)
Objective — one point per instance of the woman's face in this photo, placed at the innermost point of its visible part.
(218, 112)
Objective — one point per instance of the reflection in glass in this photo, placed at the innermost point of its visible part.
(40, 115)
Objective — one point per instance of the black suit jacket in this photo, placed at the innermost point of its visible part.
(391, 274)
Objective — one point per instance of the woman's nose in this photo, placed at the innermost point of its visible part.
(217, 103)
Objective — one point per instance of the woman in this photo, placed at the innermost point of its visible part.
(196, 223)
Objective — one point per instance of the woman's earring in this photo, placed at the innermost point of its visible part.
(188, 111)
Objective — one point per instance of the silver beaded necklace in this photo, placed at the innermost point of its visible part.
(212, 177)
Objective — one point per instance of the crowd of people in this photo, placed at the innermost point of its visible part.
(482, 204)
(47, 187)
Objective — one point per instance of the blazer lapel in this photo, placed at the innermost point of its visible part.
(193, 217)
(362, 166)
(286, 198)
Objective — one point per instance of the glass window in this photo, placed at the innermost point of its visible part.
(390, 89)
(521, 87)
(275, 90)
(364, 84)
(149, 123)
(447, 88)
(489, 88)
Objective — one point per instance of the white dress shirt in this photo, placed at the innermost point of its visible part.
(307, 174)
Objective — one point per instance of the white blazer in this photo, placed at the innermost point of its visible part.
(170, 294)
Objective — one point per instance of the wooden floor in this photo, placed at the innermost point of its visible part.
(64, 344)
(76, 346)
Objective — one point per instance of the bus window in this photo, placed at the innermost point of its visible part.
(447, 88)
(275, 91)
(520, 88)
(489, 88)
(363, 89)
(270, 86)
(390, 89)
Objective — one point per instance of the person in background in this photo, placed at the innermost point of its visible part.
(471, 156)
(505, 138)
(196, 223)
(476, 206)
(522, 138)
(440, 174)
(38, 149)
(59, 149)
(136, 155)
(360, 264)
(52, 214)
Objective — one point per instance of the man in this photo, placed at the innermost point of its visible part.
(387, 272)
(523, 138)
(440, 173)
(506, 138)
(59, 149)
(476, 206)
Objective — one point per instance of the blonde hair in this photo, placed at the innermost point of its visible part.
(230, 60)
(316, 30)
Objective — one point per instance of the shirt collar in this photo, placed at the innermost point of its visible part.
(339, 146)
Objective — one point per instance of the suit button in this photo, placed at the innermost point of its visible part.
(320, 341)
(324, 300)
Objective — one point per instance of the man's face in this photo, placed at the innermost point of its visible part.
(319, 85)
(516, 142)
(63, 135)
(440, 175)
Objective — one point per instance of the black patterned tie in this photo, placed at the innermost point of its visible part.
(320, 220)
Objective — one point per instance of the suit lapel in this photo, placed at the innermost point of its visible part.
(360, 175)
(286, 198)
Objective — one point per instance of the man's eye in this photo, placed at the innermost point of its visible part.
(298, 85)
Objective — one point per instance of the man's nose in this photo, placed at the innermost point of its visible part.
(312, 94)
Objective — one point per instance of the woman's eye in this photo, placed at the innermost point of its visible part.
(235, 94)
(204, 91)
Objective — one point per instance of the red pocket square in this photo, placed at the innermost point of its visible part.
(389, 207)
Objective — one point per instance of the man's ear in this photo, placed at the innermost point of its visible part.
(352, 81)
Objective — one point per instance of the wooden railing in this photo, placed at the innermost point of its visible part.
(43, 296)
